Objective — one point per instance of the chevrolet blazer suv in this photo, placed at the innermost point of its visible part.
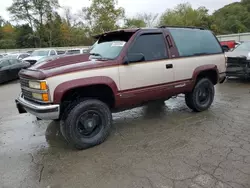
(124, 69)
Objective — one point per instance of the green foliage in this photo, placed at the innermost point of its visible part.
(43, 26)
(233, 18)
(24, 36)
(185, 15)
(134, 23)
(102, 16)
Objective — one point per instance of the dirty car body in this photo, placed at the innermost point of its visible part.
(238, 61)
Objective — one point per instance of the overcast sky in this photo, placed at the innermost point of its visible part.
(134, 6)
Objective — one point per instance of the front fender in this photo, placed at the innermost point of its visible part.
(66, 86)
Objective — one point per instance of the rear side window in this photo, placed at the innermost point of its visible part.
(193, 42)
(152, 46)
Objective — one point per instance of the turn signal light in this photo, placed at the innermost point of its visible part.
(43, 86)
(45, 97)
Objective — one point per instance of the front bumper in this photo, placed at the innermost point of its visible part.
(46, 112)
(238, 67)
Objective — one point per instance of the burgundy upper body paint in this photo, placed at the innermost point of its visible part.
(63, 65)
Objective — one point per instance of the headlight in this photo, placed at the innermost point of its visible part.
(41, 96)
(38, 85)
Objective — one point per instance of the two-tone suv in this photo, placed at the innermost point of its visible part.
(125, 69)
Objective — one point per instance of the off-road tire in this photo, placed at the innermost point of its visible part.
(192, 99)
(70, 124)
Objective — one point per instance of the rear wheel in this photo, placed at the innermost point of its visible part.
(87, 124)
(202, 96)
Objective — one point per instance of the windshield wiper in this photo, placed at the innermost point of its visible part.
(100, 57)
(96, 54)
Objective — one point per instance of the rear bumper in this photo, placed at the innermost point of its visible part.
(46, 112)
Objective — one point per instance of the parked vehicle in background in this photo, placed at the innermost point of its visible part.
(17, 56)
(123, 71)
(228, 45)
(77, 51)
(238, 61)
(9, 69)
(3, 55)
(60, 52)
(29, 52)
(38, 54)
(48, 58)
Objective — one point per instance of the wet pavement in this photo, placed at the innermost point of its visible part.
(155, 146)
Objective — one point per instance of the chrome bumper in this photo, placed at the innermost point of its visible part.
(46, 112)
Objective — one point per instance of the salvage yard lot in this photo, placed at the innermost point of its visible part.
(158, 145)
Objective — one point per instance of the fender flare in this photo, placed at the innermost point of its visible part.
(202, 68)
(82, 82)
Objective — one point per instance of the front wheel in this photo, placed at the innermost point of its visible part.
(202, 96)
(87, 124)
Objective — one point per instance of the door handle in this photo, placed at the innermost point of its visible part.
(169, 66)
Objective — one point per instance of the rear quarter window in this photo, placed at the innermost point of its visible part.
(193, 42)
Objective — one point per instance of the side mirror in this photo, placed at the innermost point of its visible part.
(133, 57)
(225, 48)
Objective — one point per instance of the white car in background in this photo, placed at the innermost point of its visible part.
(3, 55)
(19, 56)
(38, 54)
(77, 51)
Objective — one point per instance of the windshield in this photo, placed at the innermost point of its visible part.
(40, 53)
(108, 50)
(109, 46)
(245, 46)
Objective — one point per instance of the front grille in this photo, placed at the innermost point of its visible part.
(24, 83)
(27, 94)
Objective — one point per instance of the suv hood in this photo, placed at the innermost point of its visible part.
(64, 65)
(36, 58)
(61, 61)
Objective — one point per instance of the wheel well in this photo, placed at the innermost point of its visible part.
(101, 92)
(211, 74)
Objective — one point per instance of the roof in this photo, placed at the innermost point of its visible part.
(133, 30)
(42, 49)
(184, 27)
(18, 53)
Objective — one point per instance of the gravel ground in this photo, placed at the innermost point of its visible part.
(155, 146)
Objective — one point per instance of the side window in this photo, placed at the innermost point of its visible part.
(152, 46)
(52, 52)
(192, 42)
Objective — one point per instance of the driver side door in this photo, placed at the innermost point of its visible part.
(147, 79)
